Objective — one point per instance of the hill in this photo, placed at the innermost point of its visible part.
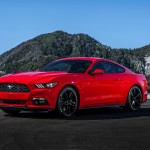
(35, 53)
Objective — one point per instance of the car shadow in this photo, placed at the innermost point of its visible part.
(111, 113)
(88, 114)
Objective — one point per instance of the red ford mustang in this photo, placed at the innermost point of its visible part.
(69, 84)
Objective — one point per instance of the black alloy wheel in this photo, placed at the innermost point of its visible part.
(67, 102)
(134, 99)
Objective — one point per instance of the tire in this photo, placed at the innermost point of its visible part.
(12, 112)
(134, 99)
(68, 102)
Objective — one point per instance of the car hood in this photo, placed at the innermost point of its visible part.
(29, 77)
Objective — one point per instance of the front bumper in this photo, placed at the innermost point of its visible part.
(24, 101)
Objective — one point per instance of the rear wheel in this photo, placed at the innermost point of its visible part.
(68, 102)
(13, 112)
(134, 99)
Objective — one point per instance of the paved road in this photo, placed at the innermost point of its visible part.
(104, 128)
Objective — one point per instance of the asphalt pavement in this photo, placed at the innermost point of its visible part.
(107, 128)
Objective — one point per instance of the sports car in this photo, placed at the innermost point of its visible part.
(69, 84)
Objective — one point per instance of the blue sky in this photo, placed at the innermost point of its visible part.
(116, 23)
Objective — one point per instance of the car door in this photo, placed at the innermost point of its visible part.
(105, 88)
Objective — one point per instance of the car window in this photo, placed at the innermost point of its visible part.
(98, 65)
(108, 67)
(70, 66)
(119, 69)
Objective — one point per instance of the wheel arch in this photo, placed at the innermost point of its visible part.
(138, 87)
(77, 91)
(75, 88)
(59, 110)
(127, 105)
(128, 90)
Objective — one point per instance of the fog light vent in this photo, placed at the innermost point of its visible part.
(40, 101)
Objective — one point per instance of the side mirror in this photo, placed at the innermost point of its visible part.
(98, 71)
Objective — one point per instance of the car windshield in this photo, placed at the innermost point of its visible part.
(70, 66)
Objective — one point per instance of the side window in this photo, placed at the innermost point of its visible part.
(98, 65)
(119, 69)
(108, 67)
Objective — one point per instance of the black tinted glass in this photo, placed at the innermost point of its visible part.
(70, 66)
(108, 67)
(119, 69)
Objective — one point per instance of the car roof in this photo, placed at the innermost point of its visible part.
(93, 59)
(82, 58)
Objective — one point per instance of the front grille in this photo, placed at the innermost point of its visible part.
(13, 101)
(12, 87)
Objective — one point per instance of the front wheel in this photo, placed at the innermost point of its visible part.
(134, 99)
(68, 102)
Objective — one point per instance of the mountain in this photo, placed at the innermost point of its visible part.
(35, 53)
(42, 49)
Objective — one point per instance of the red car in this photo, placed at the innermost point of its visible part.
(69, 84)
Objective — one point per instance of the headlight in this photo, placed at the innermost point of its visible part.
(46, 85)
